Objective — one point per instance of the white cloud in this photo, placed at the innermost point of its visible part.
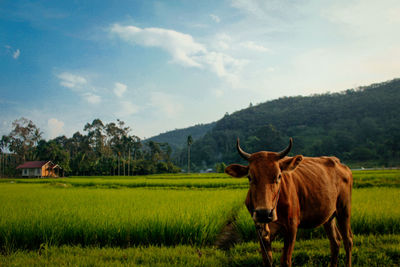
(126, 109)
(119, 89)
(311, 71)
(71, 80)
(181, 46)
(366, 15)
(218, 93)
(5, 126)
(273, 11)
(167, 104)
(215, 18)
(184, 50)
(373, 25)
(225, 66)
(16, 54)
(258, 8)
(253, 46)
(55, 128)
(222, 41)
(80, 85)
(92, 98)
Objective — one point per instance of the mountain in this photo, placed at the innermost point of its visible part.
(177, 138)
(358, 125)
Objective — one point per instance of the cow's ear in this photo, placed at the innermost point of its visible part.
(237, 170)
(289, 164)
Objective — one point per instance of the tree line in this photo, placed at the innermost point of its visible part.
(360, 126)
(103, 149)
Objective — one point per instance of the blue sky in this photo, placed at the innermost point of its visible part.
(162, 65)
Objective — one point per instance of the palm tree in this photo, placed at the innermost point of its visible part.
(189, 143)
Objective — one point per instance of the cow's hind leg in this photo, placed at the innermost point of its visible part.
(343, 220)
(334, 238)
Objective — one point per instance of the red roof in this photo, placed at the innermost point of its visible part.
(32, 164)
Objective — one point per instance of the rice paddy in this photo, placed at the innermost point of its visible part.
(374, 211)
(362, 179)
(173, 220)
(34, 214)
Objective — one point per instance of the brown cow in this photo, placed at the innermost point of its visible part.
(290, 192)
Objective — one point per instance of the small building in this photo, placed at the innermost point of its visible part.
(39, 169)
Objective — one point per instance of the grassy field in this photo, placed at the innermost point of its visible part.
(382, 250)
(34, 214)
(155, 181)
(362, 179)
(173, 220)
(374, 211)
(376, 178)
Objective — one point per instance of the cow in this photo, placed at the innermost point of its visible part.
(286, 193)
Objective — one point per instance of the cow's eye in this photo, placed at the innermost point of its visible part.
(279, 178)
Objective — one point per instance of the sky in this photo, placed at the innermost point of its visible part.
(165, 65)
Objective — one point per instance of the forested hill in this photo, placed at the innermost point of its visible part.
(177, 138)
(359, 125)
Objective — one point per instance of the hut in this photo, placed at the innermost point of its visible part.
(39, 169)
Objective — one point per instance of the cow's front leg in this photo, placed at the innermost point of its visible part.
(264, 236)
(267, 233)
(289, 240)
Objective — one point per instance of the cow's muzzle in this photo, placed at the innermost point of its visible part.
(263, 215)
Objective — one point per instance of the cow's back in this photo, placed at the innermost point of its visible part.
(321, 183)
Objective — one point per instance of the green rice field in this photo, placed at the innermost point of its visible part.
(174, 220)
(374, 211)
(362, 179)
(33, 214)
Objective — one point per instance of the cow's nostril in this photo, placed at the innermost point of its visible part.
(264, 215)
(271, 214)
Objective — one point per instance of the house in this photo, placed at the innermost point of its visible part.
(39, 169)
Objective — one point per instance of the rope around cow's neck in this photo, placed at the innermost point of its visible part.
(259, 229)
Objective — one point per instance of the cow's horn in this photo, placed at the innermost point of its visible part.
(243, 154)
(286, 151)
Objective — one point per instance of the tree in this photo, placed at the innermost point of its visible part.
(102, 150)
(189, 143)
(220, 167)
(155, 151)
(53, 151)
(96, 134)
(23, 138)
(4, 142)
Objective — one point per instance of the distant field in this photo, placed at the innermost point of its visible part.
(173, 220)
(374, 178)
(362, 179)
(170, 181)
